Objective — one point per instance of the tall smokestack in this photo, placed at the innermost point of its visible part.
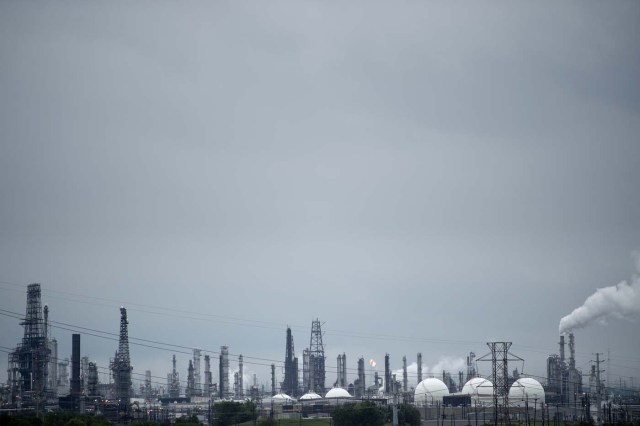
(75, 365)
(405, 382)
(387, 375)
(240, 376)
(562, 347)
(572, 351)
(419, 367)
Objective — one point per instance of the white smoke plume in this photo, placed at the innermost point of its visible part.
(618, 301)
(447, 363)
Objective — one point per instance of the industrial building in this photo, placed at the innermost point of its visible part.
(28, 366)
(564, 380)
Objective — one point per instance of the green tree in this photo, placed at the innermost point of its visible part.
(229, 412)
(75, 421)
(407, 415)
(362, 414)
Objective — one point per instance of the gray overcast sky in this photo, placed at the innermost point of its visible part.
(443, 173)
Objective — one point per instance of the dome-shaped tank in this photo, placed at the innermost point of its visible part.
(478, 388)
(430, 391)
(282, 398)
(338, 393)
(526, 389)
(309, 396)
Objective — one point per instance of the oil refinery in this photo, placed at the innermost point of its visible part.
(39, 379)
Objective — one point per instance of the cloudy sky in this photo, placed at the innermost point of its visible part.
(420, 176)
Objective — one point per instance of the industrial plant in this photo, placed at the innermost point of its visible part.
(40, 380)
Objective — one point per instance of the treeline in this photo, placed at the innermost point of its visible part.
(57, 418)
(369, 414)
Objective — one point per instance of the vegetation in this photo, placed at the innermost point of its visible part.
(230, 413)
(362, 414)
(57, 418)
(407, 415)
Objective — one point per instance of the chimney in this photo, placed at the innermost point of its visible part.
(562, 347)
(572, 351)
(75, 365)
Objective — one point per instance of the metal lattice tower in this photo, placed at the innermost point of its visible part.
(28, 363)
(500, 376)
(316, 359)
(500, 358)
(121, 365)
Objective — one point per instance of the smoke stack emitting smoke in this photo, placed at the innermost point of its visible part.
(622, 300)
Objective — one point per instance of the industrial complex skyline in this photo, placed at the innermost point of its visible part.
(306, 376)
(413, 178)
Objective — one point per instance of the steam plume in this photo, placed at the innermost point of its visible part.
(622, 300)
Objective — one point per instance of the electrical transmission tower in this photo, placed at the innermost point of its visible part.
(316, 359)
(121, 366)
(500, 358)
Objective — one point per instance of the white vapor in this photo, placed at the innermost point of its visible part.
(622, 300)
(445, 363)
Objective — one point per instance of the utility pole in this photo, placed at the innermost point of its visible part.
(598, 387)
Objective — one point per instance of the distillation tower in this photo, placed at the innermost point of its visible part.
(197, 383)
(223, 387)
(207, 376)
(342, 371)
(121, 365)
(28, 363)
(316, 359)
(290, 384)
(173, 380)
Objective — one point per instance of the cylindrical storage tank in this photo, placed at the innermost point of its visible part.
(526, 389)
(430, 391)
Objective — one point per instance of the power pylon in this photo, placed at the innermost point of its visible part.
(500, 358)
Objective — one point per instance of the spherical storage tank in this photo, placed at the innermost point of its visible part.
(430, 391)
(281, 398)
(526, 389)
(309, 396)
(478, 388)
(337, 393)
